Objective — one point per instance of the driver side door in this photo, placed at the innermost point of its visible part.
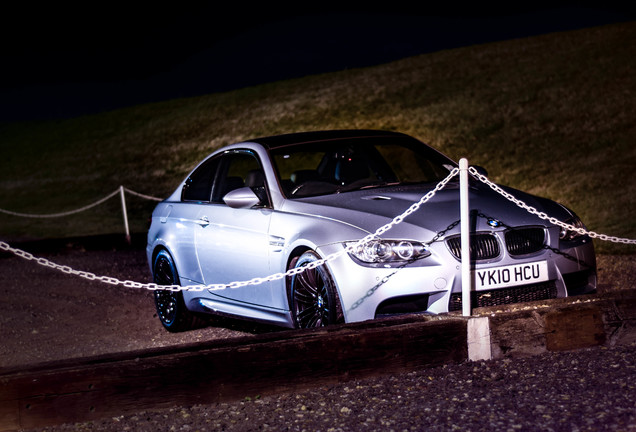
(234, 244)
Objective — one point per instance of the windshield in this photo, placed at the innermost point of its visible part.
(338, 166)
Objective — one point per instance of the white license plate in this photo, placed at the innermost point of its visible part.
(512, 275)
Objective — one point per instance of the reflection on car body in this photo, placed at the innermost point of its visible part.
(271, 204)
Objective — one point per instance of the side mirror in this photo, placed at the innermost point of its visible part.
(241, 198)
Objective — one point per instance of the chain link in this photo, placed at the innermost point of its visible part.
(297, 270)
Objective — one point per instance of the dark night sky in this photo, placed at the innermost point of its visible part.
(66, 61)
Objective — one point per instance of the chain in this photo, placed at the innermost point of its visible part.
(545, 216)
(255, 281)
(443, 232)
(297, 270)
(374, 288)
(547, 247)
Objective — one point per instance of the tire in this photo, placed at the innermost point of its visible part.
(171, 308)
(312, 295)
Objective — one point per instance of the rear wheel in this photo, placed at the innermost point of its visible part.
(312, 294)
(171, 308)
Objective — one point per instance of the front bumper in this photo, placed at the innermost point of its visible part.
(434, 285)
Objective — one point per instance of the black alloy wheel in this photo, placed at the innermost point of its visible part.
(171, 309)
(313, 298)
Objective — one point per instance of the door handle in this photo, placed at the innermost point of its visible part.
(204, 221)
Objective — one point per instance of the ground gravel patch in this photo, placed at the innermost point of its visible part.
(586, 390)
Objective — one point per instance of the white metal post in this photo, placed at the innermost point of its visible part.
(123, 209)
(464, 210)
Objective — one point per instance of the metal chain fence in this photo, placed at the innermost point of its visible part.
(294, 271)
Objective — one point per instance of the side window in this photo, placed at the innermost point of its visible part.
(198, 186)
(239, 169)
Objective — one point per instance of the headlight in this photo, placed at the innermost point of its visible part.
(569, 235)
(388, 251)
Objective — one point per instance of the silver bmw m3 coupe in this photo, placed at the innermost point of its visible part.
(302, 202)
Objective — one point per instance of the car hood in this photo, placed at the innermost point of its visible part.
(370, 209)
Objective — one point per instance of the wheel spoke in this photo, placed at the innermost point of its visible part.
(303, 296)
(307, 280)
(307, 315)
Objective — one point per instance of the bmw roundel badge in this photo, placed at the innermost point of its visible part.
(494, 223)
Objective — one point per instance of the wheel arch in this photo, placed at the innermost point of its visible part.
(155, 252)
(159, 246)
(297, 252)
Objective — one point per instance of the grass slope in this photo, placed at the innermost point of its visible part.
(552, 115)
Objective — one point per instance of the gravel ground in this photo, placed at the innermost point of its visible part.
(587, 390)
(49, 315)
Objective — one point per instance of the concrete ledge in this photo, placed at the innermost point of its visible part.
(92, 388)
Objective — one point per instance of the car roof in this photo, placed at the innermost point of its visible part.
(277, 141)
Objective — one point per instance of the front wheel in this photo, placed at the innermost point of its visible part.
(312, 294)
(171, 308)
